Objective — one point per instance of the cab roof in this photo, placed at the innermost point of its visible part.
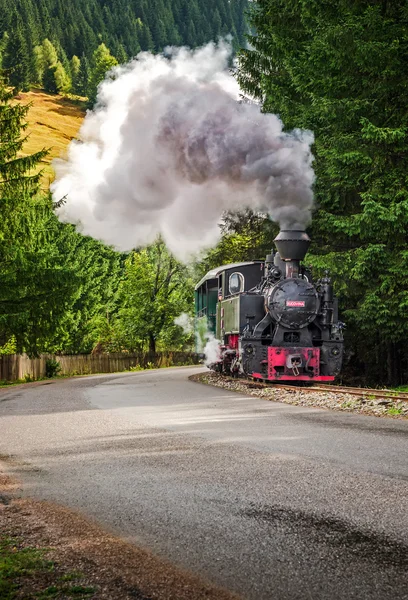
(213, 274)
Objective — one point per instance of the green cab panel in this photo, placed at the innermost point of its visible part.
(228, 316)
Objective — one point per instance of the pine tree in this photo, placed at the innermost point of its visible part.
(16, 60)
(56, 80)
(191, 35)
(3, 45)
(336, 71)
(50, 55)
(146, 39)
(120, 54)
(216, 24)
(75, 66)
(83, 77)
(78, 27)
(34, 289)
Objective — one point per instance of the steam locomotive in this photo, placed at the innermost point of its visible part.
(271, 320)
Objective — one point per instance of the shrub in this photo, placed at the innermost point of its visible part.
(52, 367)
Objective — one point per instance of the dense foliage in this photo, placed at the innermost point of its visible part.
(338, 69)
(35, 285)
(61, 291)
(77, 28)
(64, 292)
(335, 68)
(155, 291)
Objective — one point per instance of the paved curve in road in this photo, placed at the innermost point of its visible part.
(268, 500)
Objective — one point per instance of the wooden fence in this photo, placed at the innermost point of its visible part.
(14, 367)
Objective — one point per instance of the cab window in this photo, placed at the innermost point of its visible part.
(236, 283)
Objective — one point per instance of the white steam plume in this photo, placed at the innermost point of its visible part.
(206, 342)
(186, 322)
(168, 149)
(212, 350)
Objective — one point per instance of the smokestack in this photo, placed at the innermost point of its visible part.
(292, 246)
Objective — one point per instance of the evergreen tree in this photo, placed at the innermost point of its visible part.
(146, 39)
(78, 27)
(336, 70)
(75, 67)
(16, 60)
(34, 288)
(50, 55)
(56, 80)
(3, 45)
(216, 24)
(121, 55)
(83, 77)
(191, 36)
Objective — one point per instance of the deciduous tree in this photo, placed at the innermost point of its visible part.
(155, 291)
(102, 63)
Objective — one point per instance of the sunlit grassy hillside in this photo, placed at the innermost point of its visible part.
(53, 121)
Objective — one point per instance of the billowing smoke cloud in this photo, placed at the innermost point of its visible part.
(168, 149)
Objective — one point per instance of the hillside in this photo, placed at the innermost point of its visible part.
(53, 121)
(77, 27)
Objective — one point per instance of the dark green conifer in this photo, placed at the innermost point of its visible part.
(83, 77)
(33, 289)
(146, 39)
(16, 60)
(337, 70)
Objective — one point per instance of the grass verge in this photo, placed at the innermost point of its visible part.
(26, 573)
(49, 551)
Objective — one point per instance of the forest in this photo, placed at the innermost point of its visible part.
(334, 68)
(69, 45)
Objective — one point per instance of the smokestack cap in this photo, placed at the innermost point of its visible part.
(292, 245)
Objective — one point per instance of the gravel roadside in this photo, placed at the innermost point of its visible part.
(378, 407)
(97, 565)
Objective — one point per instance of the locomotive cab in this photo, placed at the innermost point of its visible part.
(219, 284)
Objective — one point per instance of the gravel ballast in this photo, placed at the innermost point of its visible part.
(375, 406)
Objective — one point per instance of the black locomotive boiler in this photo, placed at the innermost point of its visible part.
(271, 320)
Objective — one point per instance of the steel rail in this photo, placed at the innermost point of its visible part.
(361, 392)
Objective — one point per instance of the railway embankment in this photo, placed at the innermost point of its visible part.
(368, 404)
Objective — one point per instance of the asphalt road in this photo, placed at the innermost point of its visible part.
(265, 499)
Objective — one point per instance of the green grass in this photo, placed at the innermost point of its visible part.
(16, 563)
(24, 569)
(401, 388)
(53, 121)
(394, 411)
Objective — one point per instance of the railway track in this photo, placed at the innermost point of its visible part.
(368, 393)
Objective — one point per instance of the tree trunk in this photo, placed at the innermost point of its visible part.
(391, 365)
(152, 343)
